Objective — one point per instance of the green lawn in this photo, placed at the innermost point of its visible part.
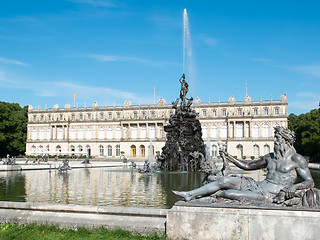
(33, 231)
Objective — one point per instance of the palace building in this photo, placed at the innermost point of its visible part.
(244, 128)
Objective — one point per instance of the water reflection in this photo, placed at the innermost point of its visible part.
(107, 187)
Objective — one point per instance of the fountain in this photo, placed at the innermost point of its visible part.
(184, 146)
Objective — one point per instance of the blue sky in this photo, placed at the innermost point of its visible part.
(110, 51)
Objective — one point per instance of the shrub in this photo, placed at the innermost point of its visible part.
(252, 157)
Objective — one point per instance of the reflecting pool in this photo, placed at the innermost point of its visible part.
(104, 186)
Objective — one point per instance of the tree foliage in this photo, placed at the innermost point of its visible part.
(13, 129)
(307, 129)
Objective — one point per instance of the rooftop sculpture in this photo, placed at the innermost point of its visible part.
(284, 166)
(184, 136)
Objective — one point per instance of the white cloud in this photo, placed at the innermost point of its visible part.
(313, 70)
(11, 61)
(112, 58)
(209, 41)
(305, 105)
(96, 3)
(309, 95)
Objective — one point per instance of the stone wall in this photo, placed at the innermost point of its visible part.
(185, 221)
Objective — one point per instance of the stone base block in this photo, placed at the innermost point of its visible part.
(185, 221)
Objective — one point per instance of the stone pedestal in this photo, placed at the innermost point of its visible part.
(188, 221)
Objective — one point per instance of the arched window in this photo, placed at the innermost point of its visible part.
(101, 151)
(60, 133)
(133, 151)
(239, 130)
(47, 148)
(143, 132)
(80, 148)
(34, 134)
(41, 149)
(239, 151)
(88, 150)
(101, 133)
(72, 133)
(214, 132)
(255, 131)
(151, 150)
(266, 131)
(134, 132)
(109, 151)
(58, 149)
(80, 133)
(117, 150)
(33, 149)
(142, 151)
(109, 133)
(72, 148)
(214, 151)
(224, 131)
(49, 134)
(118, 133)
(89, 133)
(266, 149)
(204, 132)
(41, 134)
(256, 151)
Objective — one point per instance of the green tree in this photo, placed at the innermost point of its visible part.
(13, 129)
(307, 129)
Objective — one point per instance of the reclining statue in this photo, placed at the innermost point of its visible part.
(283, 166)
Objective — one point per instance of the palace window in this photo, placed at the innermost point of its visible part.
(101, 151)
(224, 113)
(110, 116)
(204, 132)
(73, 117)
(49, 134)
(144, 115)
(143, 132)
(276, 111)
(204, 113)
(118, 116)
(72, 133)
(117, 150)
(239, 112)
(34, 118)
(214, 132)
(101, 116)
(61, 117)
(214, 113)
(255, 111)
(89, 116)
(81, 116)
(109, 133)
(118, 133)
(49, 117)
(255, 131)
(109, 151)
(34, 134)
(266, 111)
(89, 134)
(135, 115)
(101, 133)
(266, 131)
(224, 131)
(152, 114)
(41, 118)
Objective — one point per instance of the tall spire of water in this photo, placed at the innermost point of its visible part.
(186, 39)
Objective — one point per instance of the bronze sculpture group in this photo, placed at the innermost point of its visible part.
(284, 166)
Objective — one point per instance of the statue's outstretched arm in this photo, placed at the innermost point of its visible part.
(247, 165)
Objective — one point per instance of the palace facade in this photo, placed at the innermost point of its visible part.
(244, 128)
